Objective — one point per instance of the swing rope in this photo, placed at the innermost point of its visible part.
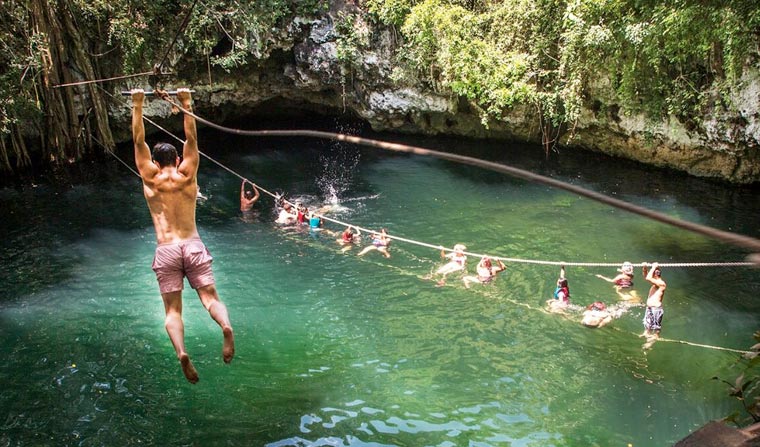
(725, 236)
(516, 260)
(403, 239)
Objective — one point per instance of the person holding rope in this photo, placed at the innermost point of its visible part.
(654, 312)
(561, 298)
(622, 282)
(380, 242)
(248, 198)
(486, 272)
(348, 238)
(457, 260)
(170, 189)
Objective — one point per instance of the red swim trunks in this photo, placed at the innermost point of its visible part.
(174, 261)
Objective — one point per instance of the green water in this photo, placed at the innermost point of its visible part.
(333, 349)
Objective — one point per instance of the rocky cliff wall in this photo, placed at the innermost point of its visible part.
(303, 69)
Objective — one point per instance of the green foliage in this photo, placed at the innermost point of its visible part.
(390, 12)
(746, 387)
(19, 65)
(663, 58)
(229, 32)
(352, 38)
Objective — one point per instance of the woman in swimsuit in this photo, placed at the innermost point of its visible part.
(486, 272)
(457, 260)
(380, 242)
(623, 281)
(348, 238)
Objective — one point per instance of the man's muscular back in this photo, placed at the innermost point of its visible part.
(171, 198)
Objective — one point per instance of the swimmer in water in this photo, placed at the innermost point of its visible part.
(623, 282)
(380, 242)
(561, 298)
(457, 261)
(486, 272)
(348, 238)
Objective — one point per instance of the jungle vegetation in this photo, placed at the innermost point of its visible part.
(674, 58)
(661, 58)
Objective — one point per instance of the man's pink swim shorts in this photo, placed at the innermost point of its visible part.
(174, 261)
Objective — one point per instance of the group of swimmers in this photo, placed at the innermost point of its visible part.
(599, 314)
(595, 315)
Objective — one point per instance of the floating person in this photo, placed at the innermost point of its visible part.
(286, 215)
(622, 282)
(248, 197)
(654, 312)
(380, 242)
(596, 315)
(301, 213)
(561, 298)
(457, 261)
(486, 271)
(315, 221)
(170, 188)
(348, 238)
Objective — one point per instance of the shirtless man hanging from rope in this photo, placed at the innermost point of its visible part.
(170, 188)
(654, 312)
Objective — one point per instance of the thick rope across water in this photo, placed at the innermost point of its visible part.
(424, 244)
(725, 236)
(471, 254)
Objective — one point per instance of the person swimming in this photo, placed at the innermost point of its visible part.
(380, 242)
(561, 297)
(348, 238)
(486, 272)
(457, 261)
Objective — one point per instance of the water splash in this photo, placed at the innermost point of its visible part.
(338, 163)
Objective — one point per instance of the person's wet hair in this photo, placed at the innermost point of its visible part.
(164, 154)
(249, 195)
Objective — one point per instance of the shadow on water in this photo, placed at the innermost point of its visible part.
(40, 220)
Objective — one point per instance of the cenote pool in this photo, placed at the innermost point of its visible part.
(338, 350)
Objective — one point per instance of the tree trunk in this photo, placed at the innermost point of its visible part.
(65, 61)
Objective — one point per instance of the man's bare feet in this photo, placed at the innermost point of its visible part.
(228, 350)
(651, 339)
(187, 367)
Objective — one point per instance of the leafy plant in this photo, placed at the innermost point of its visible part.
(746, 387)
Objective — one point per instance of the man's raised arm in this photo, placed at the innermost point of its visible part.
(143, 159)
(190, 155)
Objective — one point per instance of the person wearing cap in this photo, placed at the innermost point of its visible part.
(457, 260)
(623, 281)
(654, 312)
(486, 272)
